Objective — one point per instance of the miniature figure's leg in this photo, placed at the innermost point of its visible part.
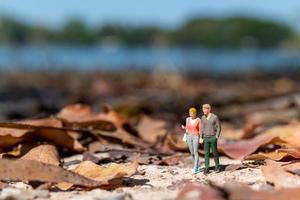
(195, 148)
(215, 152)
(190, 145)
(206, 152)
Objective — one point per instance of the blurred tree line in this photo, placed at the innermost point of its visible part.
(205, 32)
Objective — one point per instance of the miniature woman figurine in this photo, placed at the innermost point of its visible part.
(193, 130)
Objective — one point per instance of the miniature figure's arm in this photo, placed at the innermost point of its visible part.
(200, 127)
(218, 124)
(184, 126)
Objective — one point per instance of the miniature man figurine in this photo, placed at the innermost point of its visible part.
(193, 130)
(210, 132)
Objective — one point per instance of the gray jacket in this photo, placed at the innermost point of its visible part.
(211, 126)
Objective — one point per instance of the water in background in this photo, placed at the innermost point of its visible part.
(114, 58)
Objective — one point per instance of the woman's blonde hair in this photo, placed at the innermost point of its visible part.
(193, 110)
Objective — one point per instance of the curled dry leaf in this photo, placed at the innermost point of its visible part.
(108, 124)
(289, 134)
(103, 174)
(263, 118)
(199, 192)
(273, 172)
(232, 190)
(291, 151)
(43, 153)
(241, 191)
(243, 148)
(123, 136)
(273, 155)
(82, 116)
(31, 170)
(29, 130)
(175, 142)
(150, 129)
(230, 132)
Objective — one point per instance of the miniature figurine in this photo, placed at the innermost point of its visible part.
(193, 128)
(210, 132)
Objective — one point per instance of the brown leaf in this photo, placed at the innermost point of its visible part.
(29, 130)
(276, 174)
(234, 167)
(230, 132)
(150, 129)
(232, 190)
(79, 115)
(31, 170)
(263, 118)
(169, 161)
(288, 133)
(199, 192)
(43, 153)
(291, 151)
(242, 148)
(108, 124)
(103, 174)
(175, 142)
(122, 136)
(241, 191)
(274, 155)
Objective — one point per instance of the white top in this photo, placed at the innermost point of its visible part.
(208, 116)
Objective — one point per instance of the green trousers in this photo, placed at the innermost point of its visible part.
(211, 142)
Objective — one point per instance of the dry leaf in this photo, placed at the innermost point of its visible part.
(241, 191)
(122, 136)
(235, 191)
(30, 130)
(199, 192)
(31, 170)
(276, 174)
(242, 148)
(79, 115)
(263, 118)
(274, 155)
(175, 142)
(109, 124)
(43, 153)
(150, 129)
(288, 133)
(103, 174)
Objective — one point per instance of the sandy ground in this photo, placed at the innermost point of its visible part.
(151, 182)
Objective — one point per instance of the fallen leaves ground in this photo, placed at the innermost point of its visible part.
(83, 153)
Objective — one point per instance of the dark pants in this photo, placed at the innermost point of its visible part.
(211, 142)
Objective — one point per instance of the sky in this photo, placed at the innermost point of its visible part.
(165, 13)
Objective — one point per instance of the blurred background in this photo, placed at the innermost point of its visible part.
(154, 57)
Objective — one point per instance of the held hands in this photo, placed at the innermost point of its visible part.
(201, 140)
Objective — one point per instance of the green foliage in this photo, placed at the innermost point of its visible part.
(231, 32)
(76, 32)
(206, 32)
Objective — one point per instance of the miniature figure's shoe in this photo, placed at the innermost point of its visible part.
(206, 171)
(195, 170)
(217, 169)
